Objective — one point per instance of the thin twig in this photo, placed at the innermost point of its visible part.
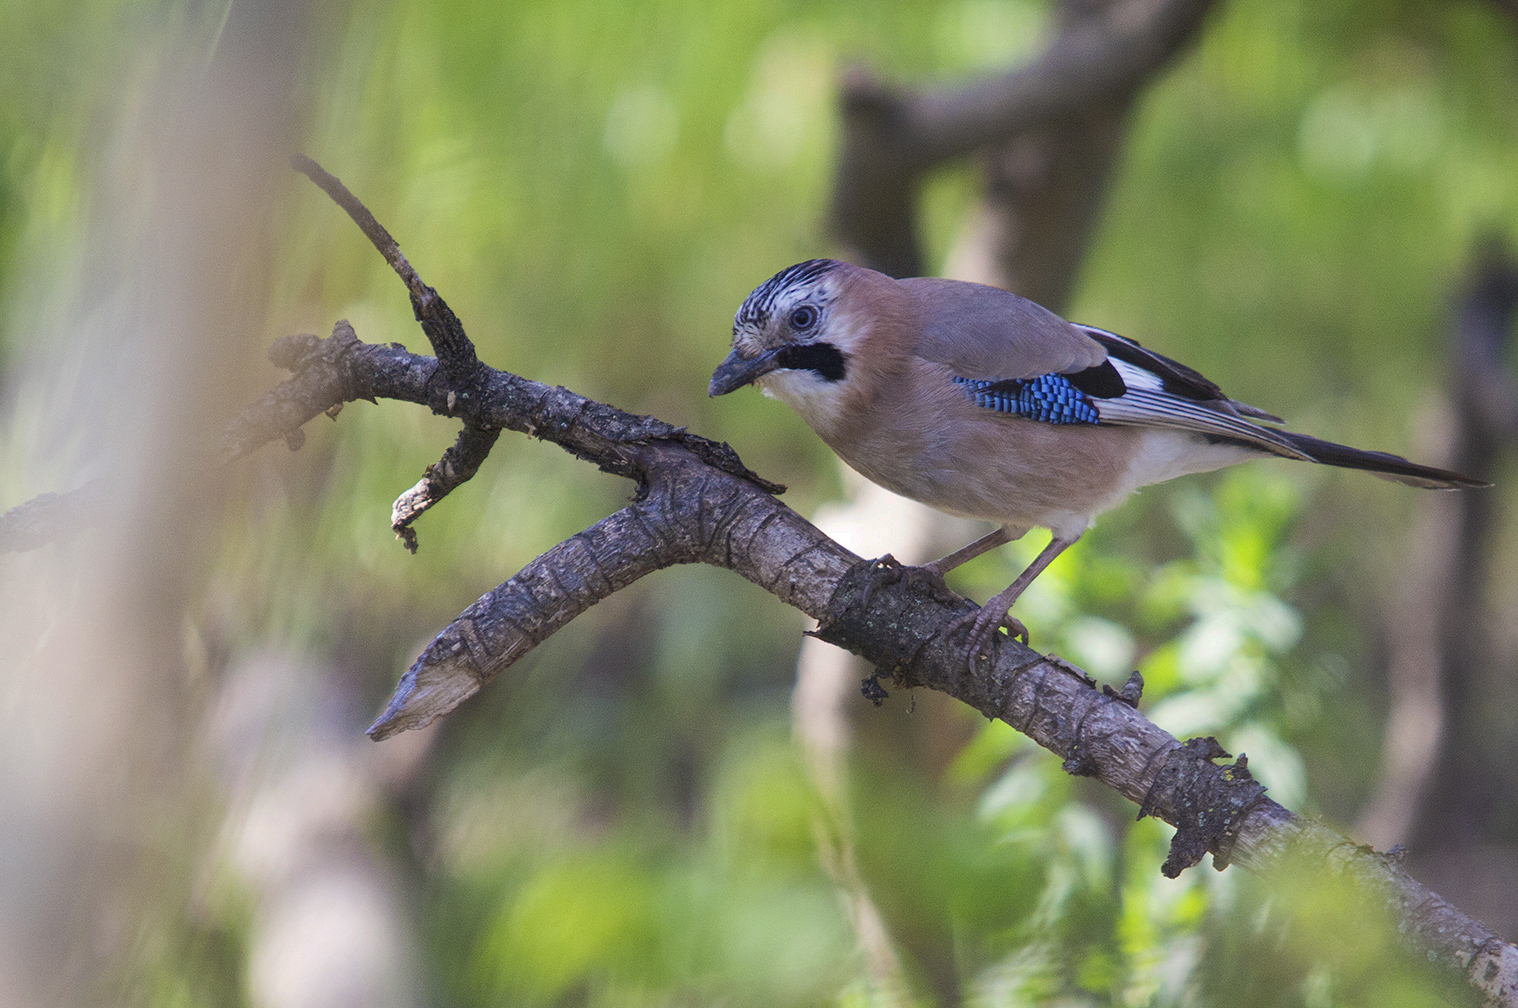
(454, 350)
(457, 466)
(372, 228)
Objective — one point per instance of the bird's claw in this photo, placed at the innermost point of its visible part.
(924, 579)
(983, 623)
(983, 626)
(1017, 628)
(888, 571)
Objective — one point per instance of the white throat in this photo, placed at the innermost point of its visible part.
(819, 402)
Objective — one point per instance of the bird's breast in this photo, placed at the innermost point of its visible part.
(931, 443)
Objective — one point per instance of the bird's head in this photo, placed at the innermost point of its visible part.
(799, 337)
(787, 324)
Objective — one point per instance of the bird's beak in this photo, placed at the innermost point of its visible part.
(737, 371)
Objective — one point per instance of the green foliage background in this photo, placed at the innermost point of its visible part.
(594, 186)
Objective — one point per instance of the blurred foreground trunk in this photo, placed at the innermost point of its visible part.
(106, 804)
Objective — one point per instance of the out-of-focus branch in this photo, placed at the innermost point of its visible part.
(826, 677)
(1415, 658)
(50, 517)
(103, 794)
(1102, 51)
(1437, 642)
(1044, 194)
(328, 922)
(1480, 339)
(1099, 59)
(1507, 6)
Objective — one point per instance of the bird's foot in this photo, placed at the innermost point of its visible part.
(889, 571)
(984, 624)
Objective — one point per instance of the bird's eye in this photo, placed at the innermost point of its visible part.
(804, 317)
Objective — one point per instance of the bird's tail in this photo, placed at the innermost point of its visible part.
(1383, 464)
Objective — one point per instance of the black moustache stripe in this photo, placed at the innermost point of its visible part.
(823, 358)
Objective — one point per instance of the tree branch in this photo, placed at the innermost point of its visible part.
(1092, 60)
(454, 350)
(49, 517)
(457, 466)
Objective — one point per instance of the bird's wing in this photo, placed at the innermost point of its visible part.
(1012, 356)
(1117, 393)
(990, 334)
(1017, 357)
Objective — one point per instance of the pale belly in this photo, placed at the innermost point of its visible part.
(1022, 473)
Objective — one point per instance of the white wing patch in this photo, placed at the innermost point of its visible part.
(1136, 377)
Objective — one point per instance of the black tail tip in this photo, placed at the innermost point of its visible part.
(1383, 464)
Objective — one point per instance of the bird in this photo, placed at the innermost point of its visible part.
(982, 404)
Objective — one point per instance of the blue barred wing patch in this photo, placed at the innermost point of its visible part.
(1048, 398)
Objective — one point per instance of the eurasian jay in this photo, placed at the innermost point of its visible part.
(980, 403)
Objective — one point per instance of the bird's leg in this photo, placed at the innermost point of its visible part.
(994, 614)
(997, 537)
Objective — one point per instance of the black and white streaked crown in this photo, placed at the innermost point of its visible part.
(758, 306)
